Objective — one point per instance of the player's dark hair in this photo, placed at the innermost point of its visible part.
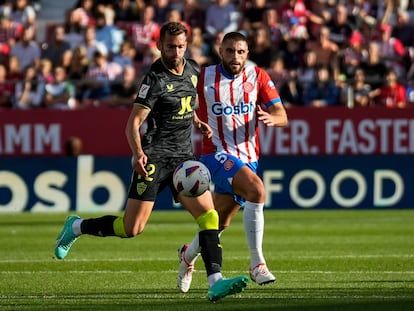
(234, 36)
(173, 29)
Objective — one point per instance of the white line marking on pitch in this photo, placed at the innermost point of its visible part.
(200, 270)
(227, 258)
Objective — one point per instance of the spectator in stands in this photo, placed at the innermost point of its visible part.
(221, 16)
(60, 94)
(214, 48)
(388, 11)
(4, 53)
(56, 49)
(29, 91)
(161, 9)
(197, 48)
(91, 45)
(277, 71)
(126, 55)
(374, 67)
(360, 90)
(145, 32)
(45, 72)
(292, 53)
(149, 58)
(323, 91)
(410, 92)
(176, 4)
(254, 12)
(260, 51)
(340, 26)
(396, 43)
(10, 31)
(27, 50)
(362, 12)
(77, 70)
(410, 73)
(326, 51)
(352, 56)
(124, 91)
(23, 13)
(83, 13)
(194, 14)
(6, 88)
(391, 94)
(78, 65)
(299, 10)
(295, 30)
(73, 33)
(98, 79)
(391, 50)
(271, 21)
(14, 74)
(244, 28)
(126, 12)
(403, 30)
(291, 90)
(108, 33)
(174, 15)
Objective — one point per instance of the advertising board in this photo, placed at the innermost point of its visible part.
(99, 184)
(324, 131)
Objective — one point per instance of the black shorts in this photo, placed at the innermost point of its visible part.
(160, 175)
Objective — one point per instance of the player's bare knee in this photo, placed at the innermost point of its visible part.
(256, 192)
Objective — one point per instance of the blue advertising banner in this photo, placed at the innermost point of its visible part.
(349, 182)
(88, 184)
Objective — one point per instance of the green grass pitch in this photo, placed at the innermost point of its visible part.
(323, 260)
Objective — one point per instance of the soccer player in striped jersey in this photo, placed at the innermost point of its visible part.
(166, 100)
(234, 97)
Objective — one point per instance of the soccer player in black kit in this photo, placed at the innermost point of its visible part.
(166, 100)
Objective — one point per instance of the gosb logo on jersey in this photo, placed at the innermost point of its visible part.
(222, 109)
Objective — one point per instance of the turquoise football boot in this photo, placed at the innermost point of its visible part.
(66, 238)
(226, 287)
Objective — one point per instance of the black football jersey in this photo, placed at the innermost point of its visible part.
(171, 99)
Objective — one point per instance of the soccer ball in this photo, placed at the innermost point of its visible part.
(191, 178)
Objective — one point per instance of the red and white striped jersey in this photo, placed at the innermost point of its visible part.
(229, 104)
(143, 34)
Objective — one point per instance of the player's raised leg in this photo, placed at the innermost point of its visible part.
(129, 225)
(75, 226)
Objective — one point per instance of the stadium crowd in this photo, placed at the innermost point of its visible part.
(319, 53)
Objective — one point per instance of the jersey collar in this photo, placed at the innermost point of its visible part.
(227, 75)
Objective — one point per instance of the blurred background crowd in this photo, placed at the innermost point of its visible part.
(353, 53)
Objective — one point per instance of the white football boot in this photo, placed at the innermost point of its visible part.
(261, 274)
(185, 271)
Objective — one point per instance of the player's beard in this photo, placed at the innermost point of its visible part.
(172, 62)
(233, 69)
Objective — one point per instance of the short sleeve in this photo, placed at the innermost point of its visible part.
(148, 91)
